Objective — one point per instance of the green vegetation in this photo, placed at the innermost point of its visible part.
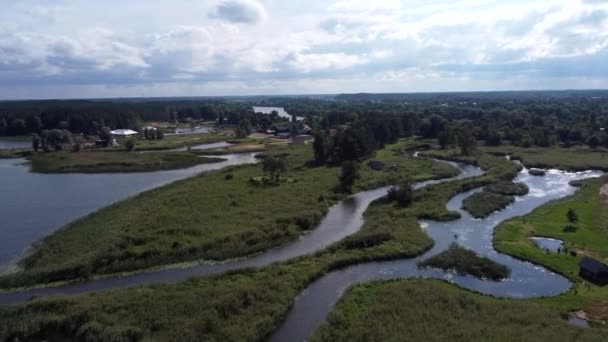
(92, 162)
(430, 310)
(589, 239)
(249, 304)
(573, 159)
(15, 153)
(508, 189)
(497, 170)
(177, 141)
(482, 204)
(467, 262)
(210, 216)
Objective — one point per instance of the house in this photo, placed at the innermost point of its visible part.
(593, 270)
(301, 139)
(123, 132)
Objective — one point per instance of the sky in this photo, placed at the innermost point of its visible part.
(149, 48)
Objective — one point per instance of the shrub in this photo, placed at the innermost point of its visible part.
(402, 194)
(130, 145)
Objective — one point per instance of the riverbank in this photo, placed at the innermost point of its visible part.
(94, 162)
(216, 216)
(568, 159)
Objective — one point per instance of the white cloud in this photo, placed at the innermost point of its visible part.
(270, 46)
(240, 11)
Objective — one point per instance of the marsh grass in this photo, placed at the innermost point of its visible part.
(572, 159)
(484, 203)
(212, 216)
(92, 162)
(431, 310)
(467, 262)
(245, 304)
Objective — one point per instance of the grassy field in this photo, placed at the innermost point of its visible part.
(15, 153)
(574, 159)
(212, 216)
(425, 310)
(244, 305)
(467, 262)
(93, 162)
(590, 238)
(175, 141)
(482, 204)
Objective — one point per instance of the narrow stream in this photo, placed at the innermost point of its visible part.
(527, 280)
(342, 220)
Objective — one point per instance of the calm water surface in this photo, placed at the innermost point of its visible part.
(314, 303)
(526, 279)
(34, 205)
(343, 219)
(9, 144)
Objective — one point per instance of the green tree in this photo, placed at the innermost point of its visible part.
(3, 126)
(446, 137)
(33, 124)
(243, 129)
(130, 145)
(572, 216)
(593, 141)
(349, 173)
(321, 147)
(105, 135)
(402, 193)
(273, 168)
(17, 126)
(35, 142)
(57, 137)
(466, 142)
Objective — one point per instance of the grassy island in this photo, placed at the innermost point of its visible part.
(214, 216)
(467, 262)
(95, 162)
(482, 204)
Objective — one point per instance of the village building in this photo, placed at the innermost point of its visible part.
(593, 270)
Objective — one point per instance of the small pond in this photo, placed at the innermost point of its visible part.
(193, 130)
(549, 244)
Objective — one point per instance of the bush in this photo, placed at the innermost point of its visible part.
(130, 145)
(402, 194)
(229, 176)
(484, 203)
(467, 262)
(508, 189)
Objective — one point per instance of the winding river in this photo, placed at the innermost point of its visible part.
(343, 219)
(526, 280)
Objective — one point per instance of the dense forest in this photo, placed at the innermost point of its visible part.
(356, 124)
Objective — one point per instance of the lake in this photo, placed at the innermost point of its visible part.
(10, 144)
(34, 205)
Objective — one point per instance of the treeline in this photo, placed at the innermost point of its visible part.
(356, 139)
(88, 117)
(522, 118)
